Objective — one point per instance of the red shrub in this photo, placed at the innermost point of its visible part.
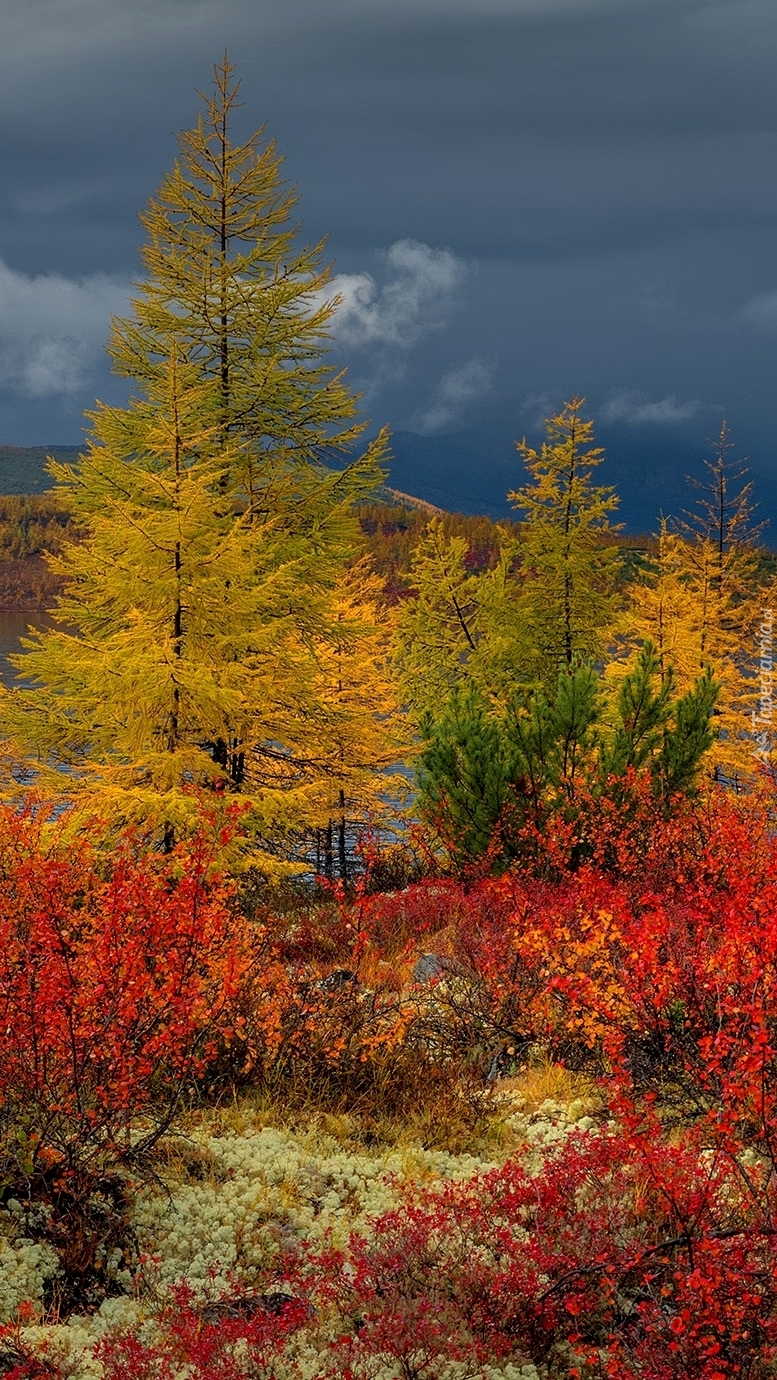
(116, 978)
(607, 1263)
(234, 1339)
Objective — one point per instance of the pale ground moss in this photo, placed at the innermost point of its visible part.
(69, 1347)
(25, 1268)
(307, 1362)
(237, 1190)
(272, 1188)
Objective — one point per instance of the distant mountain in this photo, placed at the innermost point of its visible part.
(469, 472)
(472, 472)
(23, 468)
(396, 498)
(23, 471)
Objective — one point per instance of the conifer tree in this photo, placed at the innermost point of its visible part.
(724, 517)
(661, 608)
(465, 774)
(483, 774)
(655, 726)
(226, 276)
(567, 598)
(699, 602)
(437, 627)
(460, 627)
(218, 508)
(364, 735)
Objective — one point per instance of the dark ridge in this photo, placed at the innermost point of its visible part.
(23, 468)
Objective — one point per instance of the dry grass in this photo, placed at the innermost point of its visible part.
(400, 1105)
(543, 1081)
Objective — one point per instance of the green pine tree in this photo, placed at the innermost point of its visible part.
(464, 774)
(484, 774)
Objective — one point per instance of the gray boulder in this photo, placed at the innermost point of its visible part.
(430, 968)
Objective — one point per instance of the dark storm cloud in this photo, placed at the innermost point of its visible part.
(586, 186)
(526, 129)
(503, 128)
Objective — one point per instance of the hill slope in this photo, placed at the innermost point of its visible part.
(23, 468)
(472, 472)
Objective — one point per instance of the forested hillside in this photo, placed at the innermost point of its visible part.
(30, 526)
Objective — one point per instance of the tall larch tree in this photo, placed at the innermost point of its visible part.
(437, 627)
(567, 599)
(701, 602)
(724, 517)
(365, 729)
(218, 511)
(459, 628)
(660, 608)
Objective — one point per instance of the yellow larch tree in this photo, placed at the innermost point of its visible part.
(567, 598)
(549, 601)
(218, 507)
(700, 603)
(364, 729)
(459, 627)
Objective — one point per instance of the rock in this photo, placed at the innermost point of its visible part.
(276, 1302)
(431, 967)
(341, 980)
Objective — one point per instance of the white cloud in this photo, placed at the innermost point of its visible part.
(53, 329)
(761, 311)
(417, 294)
(456, 391)
(634, 408)
(539, 406)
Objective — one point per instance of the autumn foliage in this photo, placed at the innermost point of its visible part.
(231, 1339)
(594, 1266)
(646, 1247)
(640, 1246)
(116, 978)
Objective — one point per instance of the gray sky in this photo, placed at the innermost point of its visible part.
(525, 199)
